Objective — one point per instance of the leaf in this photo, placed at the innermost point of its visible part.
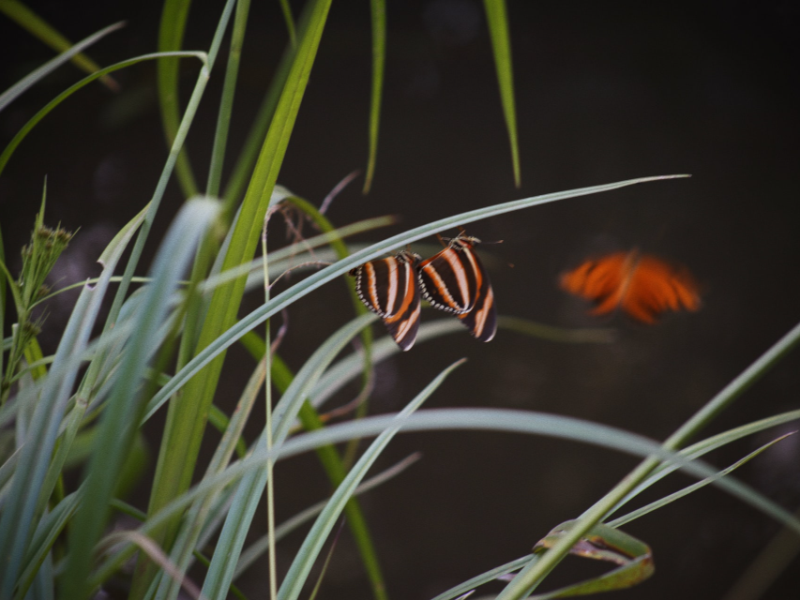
(601, 542)
(186, 420)
(126, 405)
(378, 13)
(497, 20)
(39, 28)
(32, 78)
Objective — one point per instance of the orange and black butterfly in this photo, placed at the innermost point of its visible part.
(455, 281)
(641, 285)
(388, 287)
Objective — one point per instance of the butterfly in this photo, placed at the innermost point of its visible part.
(640, 284)
(455, 281)
(388, 287)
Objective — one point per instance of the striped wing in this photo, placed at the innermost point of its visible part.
(455, 281)
(388, 287)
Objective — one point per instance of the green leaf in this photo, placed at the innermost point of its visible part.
(497, 19)
(312, 544)
(39, 28)
(32, 78)
(648, 508)
(170, 39)
(302, 288)
(601, 542)
(125, 407)
(15, 141)
(187, 415)
(245, 501)
(378, 13)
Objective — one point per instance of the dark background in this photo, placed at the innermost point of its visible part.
(605, 91)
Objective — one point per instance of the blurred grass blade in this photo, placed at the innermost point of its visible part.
(260, 546)
(186, 417)
(601, 542)
(497, 20)
(226, 102)
(490, 575)
(648, 508)
(378, 13)
(312, 544)
(30, 478)
(32, 78)
(483, 419)
(124, 409)
(707, 445)
(287, 17)
(39, 28)
(246, 499)
(192, 524)
(47, 531)
(349, 367)
(15, 141)
(223, 339)
(170, 39)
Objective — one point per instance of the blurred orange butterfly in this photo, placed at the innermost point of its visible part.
(642, 285)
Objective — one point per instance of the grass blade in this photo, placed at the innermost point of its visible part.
(245, 503)
(170, 39)
(124, 410)
(17, 139)
(378, 12)
(312, 544)
(497, 19)
(302, 288)
(39, 28)
(32, 78)
(186, 420)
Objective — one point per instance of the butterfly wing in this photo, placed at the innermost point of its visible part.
(482, 319)
(642, 286)
(656, 287)
(601, 280)
(388, 287)
(448, 281)
(455, 281)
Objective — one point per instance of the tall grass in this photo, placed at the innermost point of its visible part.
(162, 348)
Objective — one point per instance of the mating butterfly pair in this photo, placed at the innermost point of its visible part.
(453, 280)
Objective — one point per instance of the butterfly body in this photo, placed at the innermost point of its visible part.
(455, 281)
(641, 285)
(388, 287)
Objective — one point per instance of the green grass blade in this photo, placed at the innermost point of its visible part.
(302, 288)
(39, 28)
(312, 544)
(378, 12)
(124, 410)
(192, 524)
(170, 39)
(226, 102)
(488, 576)
(47, 531)
(243, 168)
(245, 503)
(497, 19)
(32, 78)
(520, 585)
(186, 420)
(485, 419)
(33, 462)
(705, 446)
(15, 141)
(287, 17)
(648, 508)
(259, 547)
